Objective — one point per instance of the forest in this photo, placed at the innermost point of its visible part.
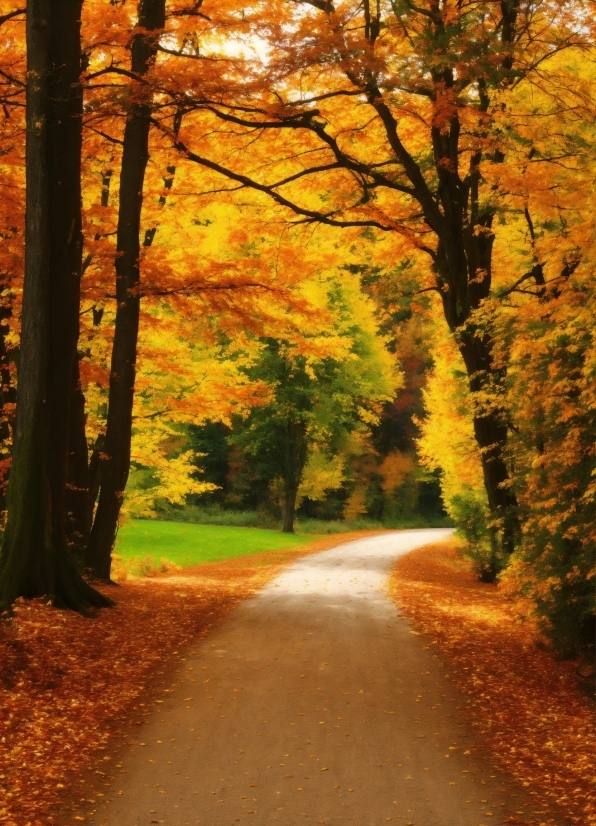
(300, 260)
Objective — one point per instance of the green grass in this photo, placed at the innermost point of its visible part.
(187, 544)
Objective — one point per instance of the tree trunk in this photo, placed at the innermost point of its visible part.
(116, 464)
(78, 509)
(296, 447)
(454, 211)
(490, 431)
(464, 279)
(7, 400)
(289, 509)
(35, 556)
(95, 474)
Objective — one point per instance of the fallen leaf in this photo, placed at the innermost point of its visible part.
(522, 700)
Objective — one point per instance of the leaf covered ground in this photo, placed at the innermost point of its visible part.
(70, 686)
(525, 705)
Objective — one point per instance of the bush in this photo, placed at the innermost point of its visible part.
(263, 518)
(556, 575)
(481, 540)
(331, 526)
(213, 515)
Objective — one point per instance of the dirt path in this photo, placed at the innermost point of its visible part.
(314, 701)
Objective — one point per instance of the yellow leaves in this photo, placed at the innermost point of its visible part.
(322, 473)
(159, 474)
(447, 436)
(356, 504)
(394, 469)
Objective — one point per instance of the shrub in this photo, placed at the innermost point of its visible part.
(481, 540)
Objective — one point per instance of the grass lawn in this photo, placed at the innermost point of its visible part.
(187, 544)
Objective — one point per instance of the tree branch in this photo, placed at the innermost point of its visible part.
(6, 17)
(311, 215)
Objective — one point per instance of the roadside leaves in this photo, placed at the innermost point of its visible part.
(525, 703)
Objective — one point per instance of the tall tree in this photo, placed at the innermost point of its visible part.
(35, 557)
(276, 436)
(135, 156)
(12, 219)
(319, 398)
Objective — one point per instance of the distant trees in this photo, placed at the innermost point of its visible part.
(370, 471)
(319, 398)
(276, 437)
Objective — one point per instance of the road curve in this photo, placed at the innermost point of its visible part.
(313, 702)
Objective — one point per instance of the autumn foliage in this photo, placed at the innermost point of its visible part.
(276, 218)
(350, 186)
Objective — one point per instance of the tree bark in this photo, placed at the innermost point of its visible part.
(464, 277)
(35, 557)
(95, 474)
(296, 448)
(7, 400)
(116, 463)
(78, 508)
(490, 431)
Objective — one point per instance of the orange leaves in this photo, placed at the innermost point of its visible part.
(394, 469)
(68, 684)
(525, 704)
(445, 109)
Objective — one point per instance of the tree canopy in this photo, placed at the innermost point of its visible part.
(214, 213)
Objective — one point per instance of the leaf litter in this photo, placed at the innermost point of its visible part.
(525, 704)
(71, 687)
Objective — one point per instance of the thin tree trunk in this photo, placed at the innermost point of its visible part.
(296, 448)
(83, 473)
(95, 474)
(116, 464)
(289, 509)
(78, 509)
(7, 400)
(35, 557)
